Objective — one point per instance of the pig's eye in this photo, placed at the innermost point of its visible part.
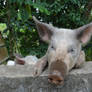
(71, 50)
(53, 47)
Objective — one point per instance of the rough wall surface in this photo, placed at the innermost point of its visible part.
(20, 79)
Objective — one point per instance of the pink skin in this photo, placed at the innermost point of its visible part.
(64, 50)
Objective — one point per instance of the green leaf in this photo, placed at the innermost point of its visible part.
(24, 14)
(2, 27)
(20, 2)
(41, 8)
(28, 2)
(28, 9)
(12, 1)
(19, 15)
(22, 30)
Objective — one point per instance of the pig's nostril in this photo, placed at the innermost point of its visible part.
(59, 81)
(50, 79)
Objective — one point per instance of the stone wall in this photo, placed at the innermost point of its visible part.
(20, 79)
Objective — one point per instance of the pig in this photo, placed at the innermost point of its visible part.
(64, 50)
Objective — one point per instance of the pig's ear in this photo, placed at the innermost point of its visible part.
(84, 33)
(45, 31)
(19, 60)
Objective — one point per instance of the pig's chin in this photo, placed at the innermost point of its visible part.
(57, 72)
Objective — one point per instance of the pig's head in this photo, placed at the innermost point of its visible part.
(64, 47)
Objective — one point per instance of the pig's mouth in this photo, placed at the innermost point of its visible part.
(57, 73)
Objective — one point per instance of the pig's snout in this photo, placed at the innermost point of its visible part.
(56, 78)
(58, 71)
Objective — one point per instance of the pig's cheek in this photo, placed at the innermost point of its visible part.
(51, 56)
(69, 62)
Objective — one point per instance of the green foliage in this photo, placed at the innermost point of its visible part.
(2, 27)
(22, 36)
